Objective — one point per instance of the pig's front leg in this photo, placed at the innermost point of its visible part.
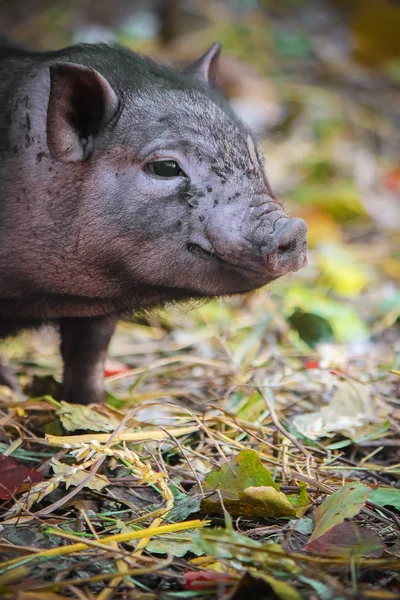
(84, 343)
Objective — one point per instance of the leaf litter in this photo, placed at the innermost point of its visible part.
(250, 447)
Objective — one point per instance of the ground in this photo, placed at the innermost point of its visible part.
(249, 445)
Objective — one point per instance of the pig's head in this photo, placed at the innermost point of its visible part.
(172, 188)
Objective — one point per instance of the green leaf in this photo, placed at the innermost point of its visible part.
(177, 545)
(184, 505)
(229, 544)
(344, 320)
(305, 525)
(312, 328)
(244, 471)
(341, 505)
(247, 489)
(301, 501)
(385, 497)
(322, 590)
(78, 416)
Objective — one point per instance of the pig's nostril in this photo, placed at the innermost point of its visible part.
(287, 248)
(290, 253)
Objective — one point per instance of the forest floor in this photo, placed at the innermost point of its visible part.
(250, 446)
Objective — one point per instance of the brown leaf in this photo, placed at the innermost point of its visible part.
(15, 477)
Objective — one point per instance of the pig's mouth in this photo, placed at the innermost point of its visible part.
(199, 251)
(212, 255)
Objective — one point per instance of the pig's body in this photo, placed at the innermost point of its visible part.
(90, 230)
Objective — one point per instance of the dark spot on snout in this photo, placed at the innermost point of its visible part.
(201, 218)
(237, 195)
(40, 155)
(179, 223)
(209, 188)
(215, 202)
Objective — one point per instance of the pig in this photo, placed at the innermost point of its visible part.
(125, 185)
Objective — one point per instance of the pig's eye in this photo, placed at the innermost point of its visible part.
(164, 168)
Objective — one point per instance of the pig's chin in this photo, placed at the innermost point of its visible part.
(220, 277)
(235, 274)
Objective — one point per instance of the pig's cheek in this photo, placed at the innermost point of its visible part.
(151, 187)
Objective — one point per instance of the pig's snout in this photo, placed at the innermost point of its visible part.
(262, 249)
(289, 253)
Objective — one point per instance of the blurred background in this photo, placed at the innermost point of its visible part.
(319, 82)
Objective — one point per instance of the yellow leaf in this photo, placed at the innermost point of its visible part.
(268, 500)
(341, 272)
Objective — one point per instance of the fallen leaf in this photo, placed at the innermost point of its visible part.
(312, 328)
(342, 504)
(78, 416)
(76, 477)
(114, 367)
(247, 489)
(229, 544)
(385, 497)
(244, 471)
(263, 587)
(347, 539)
(15, 477)
(266, 501)
(352, 412)
(200, 580)
(184, 505)
(341, 272)
(346, 324)
(177, 545)
(301, 501)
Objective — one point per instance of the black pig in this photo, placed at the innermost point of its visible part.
(125, 185)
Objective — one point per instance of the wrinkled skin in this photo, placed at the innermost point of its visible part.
(88, 233)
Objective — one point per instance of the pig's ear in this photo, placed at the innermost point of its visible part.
(81, 102)
(206, 68)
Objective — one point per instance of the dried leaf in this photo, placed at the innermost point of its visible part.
(352, 412)
(347, 539)
(200, 580)
(78, 416)
(15, 477)
(74, 476)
